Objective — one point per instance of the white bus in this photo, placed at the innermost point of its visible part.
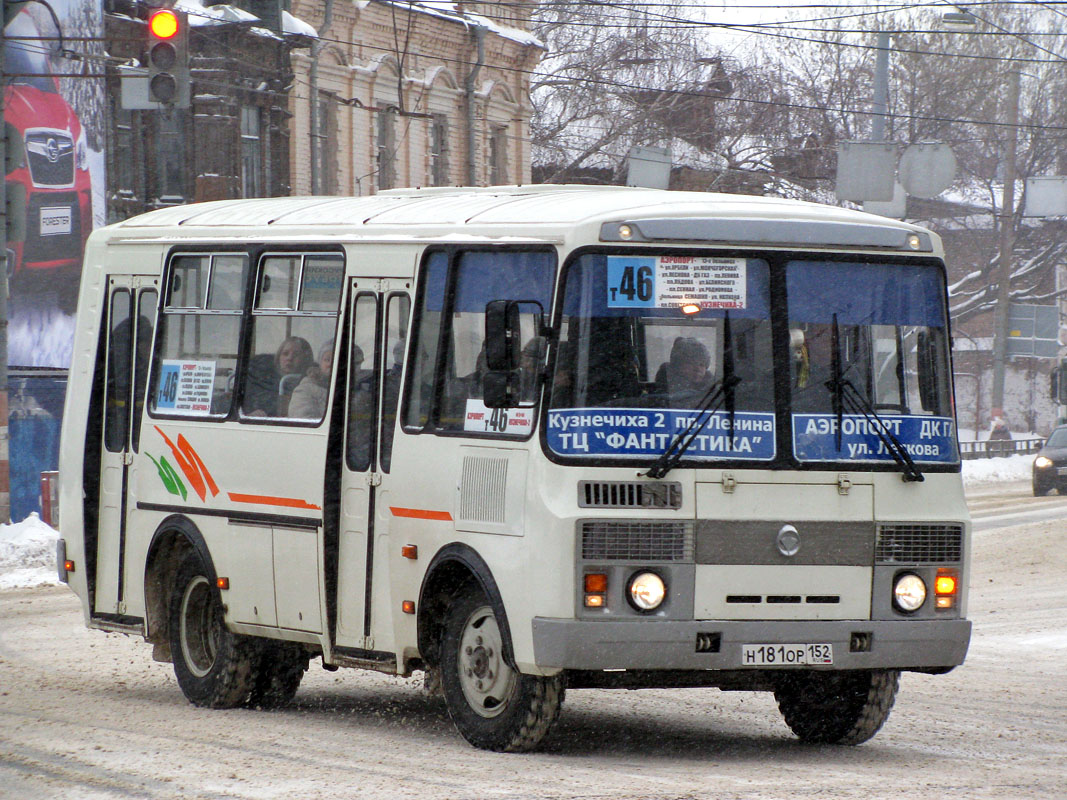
(526, 439)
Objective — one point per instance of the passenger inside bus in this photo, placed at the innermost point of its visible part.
(530, 366)
(684, 379)
(273, 378)
(812, 357)
(309, 397)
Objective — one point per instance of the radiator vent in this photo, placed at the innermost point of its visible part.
(917, 543)
(482, 489)
(629, 494)
(626, 540)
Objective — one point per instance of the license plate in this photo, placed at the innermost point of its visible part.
(786, 655)
(55, 221)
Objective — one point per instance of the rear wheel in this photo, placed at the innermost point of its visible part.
(837, 707)
(494, 706)
(214, 667)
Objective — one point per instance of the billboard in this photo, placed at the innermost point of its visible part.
(54, 125)
(54, 116)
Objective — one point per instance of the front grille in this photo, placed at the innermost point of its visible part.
(629, 494)
(50, 155)
(628, 540)
(918, 543)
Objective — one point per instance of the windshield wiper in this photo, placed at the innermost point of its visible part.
(845, 393)
(719, 393)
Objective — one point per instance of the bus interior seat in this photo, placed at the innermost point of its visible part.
(261, 386)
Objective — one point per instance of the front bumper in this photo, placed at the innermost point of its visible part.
(665, 644)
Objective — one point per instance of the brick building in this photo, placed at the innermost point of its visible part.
(411, 94)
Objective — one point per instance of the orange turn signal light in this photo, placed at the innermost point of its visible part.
(596, 582)
(408, 606)
(945, 584)
(410, 551)
(68, 565)
(222, 583)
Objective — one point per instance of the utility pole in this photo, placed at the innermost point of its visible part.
(5, 460)
(1007, 243)
(881, 87)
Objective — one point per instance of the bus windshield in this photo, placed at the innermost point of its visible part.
(883, 325)
(645, 345)
(654, 345)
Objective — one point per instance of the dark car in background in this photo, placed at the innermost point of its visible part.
(1050, 466)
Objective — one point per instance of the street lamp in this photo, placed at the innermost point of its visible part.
(962, 20)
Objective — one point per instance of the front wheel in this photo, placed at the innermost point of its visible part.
(214, 667)
(493, 705)
(279, 670)
(837, 707)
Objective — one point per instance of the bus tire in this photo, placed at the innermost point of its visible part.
(837, 707)
(280, 669)
(491, 703)
(214, 666)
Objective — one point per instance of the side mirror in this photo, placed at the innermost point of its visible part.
(927, 358)
(500, 388)
(502, 335)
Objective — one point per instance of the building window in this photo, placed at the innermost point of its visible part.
(498, 155)
(439, 166)
(170, 157)
(386, 149)
(251, 153)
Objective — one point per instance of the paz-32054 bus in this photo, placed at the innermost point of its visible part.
(526, 439)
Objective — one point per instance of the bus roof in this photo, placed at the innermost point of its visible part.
(544, 212)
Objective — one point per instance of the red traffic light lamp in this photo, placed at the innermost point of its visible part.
(168, 57)
(163, 24)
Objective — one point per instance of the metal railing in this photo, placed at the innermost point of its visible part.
(992, 448)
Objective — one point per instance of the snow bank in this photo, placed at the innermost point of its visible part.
(997, 470)
(27, 554)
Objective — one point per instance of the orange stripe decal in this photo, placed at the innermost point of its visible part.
(419, 513)
(266, 500)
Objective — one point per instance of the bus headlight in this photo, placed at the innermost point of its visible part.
(646, 591)
(1041, 462)
(909, 592)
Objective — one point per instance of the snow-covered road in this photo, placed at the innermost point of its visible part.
(85, 714)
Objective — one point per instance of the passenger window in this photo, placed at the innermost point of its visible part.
(199, 334)
(294, 322)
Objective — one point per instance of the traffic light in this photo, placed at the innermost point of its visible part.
(1058, 380)
(168, 57)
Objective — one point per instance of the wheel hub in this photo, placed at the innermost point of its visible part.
(486, 679)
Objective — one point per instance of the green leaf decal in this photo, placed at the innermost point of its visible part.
(171, 482)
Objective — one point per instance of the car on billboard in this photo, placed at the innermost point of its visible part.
(49, 191)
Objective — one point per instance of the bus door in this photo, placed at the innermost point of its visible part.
(131, 311)
(379, 319)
